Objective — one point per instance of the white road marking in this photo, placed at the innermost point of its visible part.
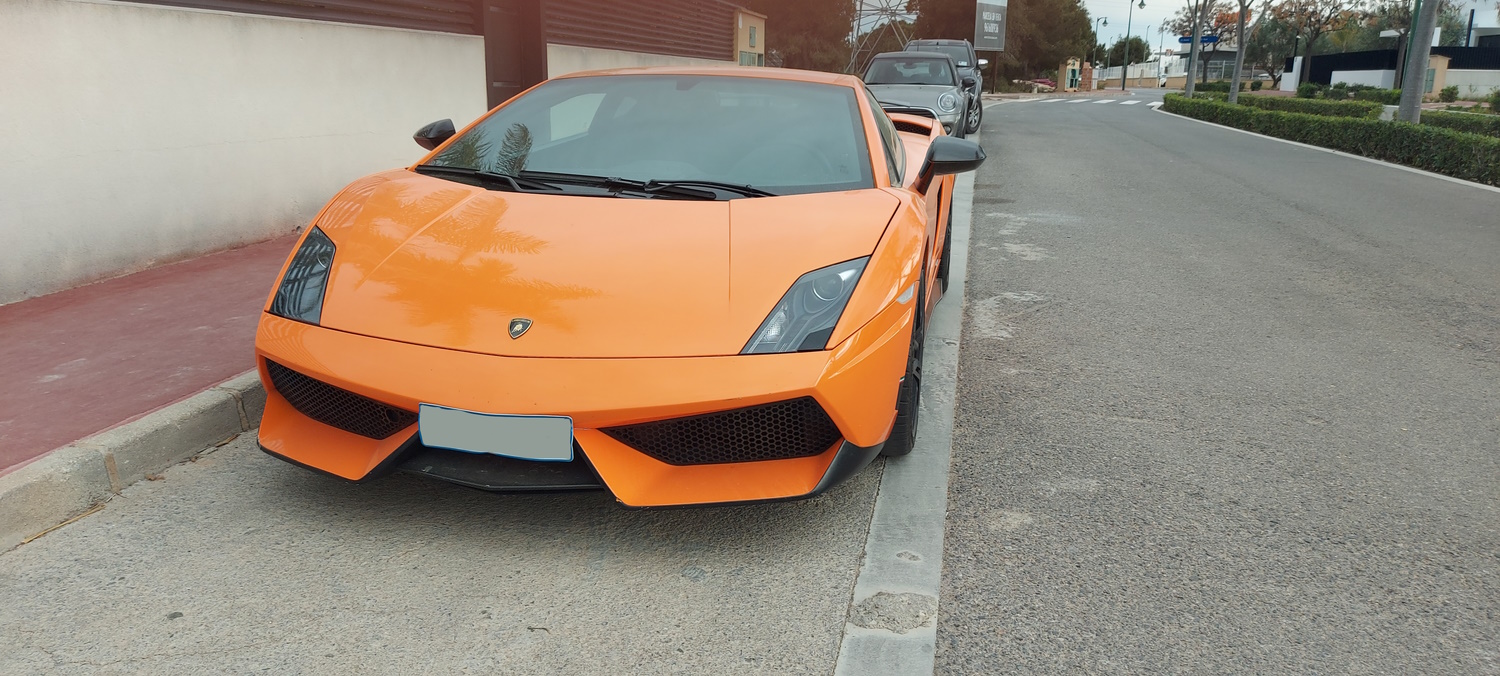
(899, 580)
(1052, 100)
(1154, 104)
(1106, 101)
(1129, 103)
(1079, 101)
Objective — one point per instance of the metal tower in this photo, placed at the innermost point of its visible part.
(875, 20)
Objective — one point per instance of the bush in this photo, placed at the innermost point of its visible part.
(1339, 91)
(1314, 106)
(1389, 97)
(1454, 153)
(1255, 85)
(1448, 94)
(1308, 90)
(1495, 100)
(1474, 123)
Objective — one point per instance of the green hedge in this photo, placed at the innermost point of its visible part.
(1314, 106)
(1474, 123)
(1216, 86)
(1445, 151)
(1389, 97)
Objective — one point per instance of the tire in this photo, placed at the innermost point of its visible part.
(947, 255)
(909, 395)
(975, 116)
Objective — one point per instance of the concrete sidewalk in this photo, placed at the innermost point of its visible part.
(85, 360)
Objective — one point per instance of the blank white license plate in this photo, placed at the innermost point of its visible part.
(548, 438)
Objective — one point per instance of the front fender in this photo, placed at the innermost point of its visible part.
(894, 267)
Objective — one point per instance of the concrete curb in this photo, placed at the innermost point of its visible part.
(81, 476)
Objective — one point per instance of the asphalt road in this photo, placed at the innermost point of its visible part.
(1225, 405)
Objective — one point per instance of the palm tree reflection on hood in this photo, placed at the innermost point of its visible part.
(460, 272)
(438, 254)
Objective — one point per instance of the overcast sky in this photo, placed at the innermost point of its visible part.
(1159, 11)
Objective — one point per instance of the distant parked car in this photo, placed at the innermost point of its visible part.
(969, 73)
(920, 83)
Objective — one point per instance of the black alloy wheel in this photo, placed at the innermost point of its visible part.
(975, 116)
(909, 396)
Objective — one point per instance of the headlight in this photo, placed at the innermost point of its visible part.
(300, 295)
(804, 318)
(948, 102)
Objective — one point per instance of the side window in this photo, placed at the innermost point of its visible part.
(895, 152)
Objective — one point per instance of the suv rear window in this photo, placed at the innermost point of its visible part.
(959, 53)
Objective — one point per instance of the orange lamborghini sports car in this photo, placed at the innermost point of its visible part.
(680, 285)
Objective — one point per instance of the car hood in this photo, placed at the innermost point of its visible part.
(432, 262)
(924, 96)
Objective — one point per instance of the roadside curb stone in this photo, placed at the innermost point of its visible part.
(75, 478)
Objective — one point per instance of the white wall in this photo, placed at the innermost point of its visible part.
(1384, 79)
(1291, 78)
(139, 134)
(564, 59)
(1482, 82)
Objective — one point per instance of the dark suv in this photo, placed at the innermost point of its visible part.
(969, 65)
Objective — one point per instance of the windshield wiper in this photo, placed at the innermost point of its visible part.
(515, 183)
(746, 190)
(684, 188)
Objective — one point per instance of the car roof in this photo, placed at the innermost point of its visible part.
(728, 71)
(937, 41)
(913, 54)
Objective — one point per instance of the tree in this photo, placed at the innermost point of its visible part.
(1039, 34)
(1268, 46)
(1219, 18)
(1139, 51)
(1239, 50)
(808, 34)
(1312, 19)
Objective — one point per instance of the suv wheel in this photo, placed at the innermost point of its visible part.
(975, 116)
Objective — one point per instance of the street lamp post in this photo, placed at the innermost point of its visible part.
(1097, 21)
(1125, 62)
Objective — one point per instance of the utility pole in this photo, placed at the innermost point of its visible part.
(1125, 62)
(1416, 62)
(1192, 70)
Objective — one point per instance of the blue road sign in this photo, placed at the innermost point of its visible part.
(1206, 39)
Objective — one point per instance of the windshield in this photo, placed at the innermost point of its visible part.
(776, 135)
(918, 71)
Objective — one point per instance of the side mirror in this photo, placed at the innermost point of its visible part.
(948, 155)
(970, 82)
(984, 62)
(433, 135)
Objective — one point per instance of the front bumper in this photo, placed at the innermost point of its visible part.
(855, 383)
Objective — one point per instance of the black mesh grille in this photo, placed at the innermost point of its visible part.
(337, 407)
(911, 127)
(919, 112)
(786, 429)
